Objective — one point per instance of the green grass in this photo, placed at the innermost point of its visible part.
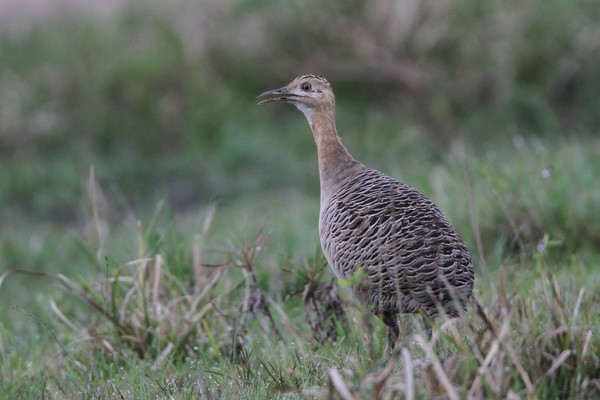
(174, 331)
(164, 228)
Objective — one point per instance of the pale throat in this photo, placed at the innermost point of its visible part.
(307, 111)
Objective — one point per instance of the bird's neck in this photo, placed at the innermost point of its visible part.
(335, 162)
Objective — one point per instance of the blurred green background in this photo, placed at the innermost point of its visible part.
(498, 100)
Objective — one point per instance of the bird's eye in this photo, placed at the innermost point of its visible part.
(306, 87)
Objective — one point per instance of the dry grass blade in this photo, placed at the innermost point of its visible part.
(383, 378)
(558, 298)
(577, 307)
(409, 378)
(494, 349)
(337, 383)
(23, 272)
(75, 289)
(163, 356)
(481, 313)
(201, 273)
(586, 345)
(57, 311)
(157, 279)
(519, 366)
(437, 367)
(558, 361)
(502, 292)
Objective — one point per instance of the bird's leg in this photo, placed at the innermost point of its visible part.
(391, 322)
(427, 325)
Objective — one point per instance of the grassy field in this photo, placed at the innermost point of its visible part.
(158, 230)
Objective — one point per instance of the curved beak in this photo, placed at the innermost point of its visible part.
(281, 94)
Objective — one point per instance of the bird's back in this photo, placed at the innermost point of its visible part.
(412, 257)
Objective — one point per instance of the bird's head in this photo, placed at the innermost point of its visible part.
(309, 93)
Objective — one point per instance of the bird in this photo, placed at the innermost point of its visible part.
(411, 259)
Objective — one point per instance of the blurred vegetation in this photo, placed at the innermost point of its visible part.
(163, 97)
(117, 134)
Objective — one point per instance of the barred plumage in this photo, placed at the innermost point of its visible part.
(413, 259)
